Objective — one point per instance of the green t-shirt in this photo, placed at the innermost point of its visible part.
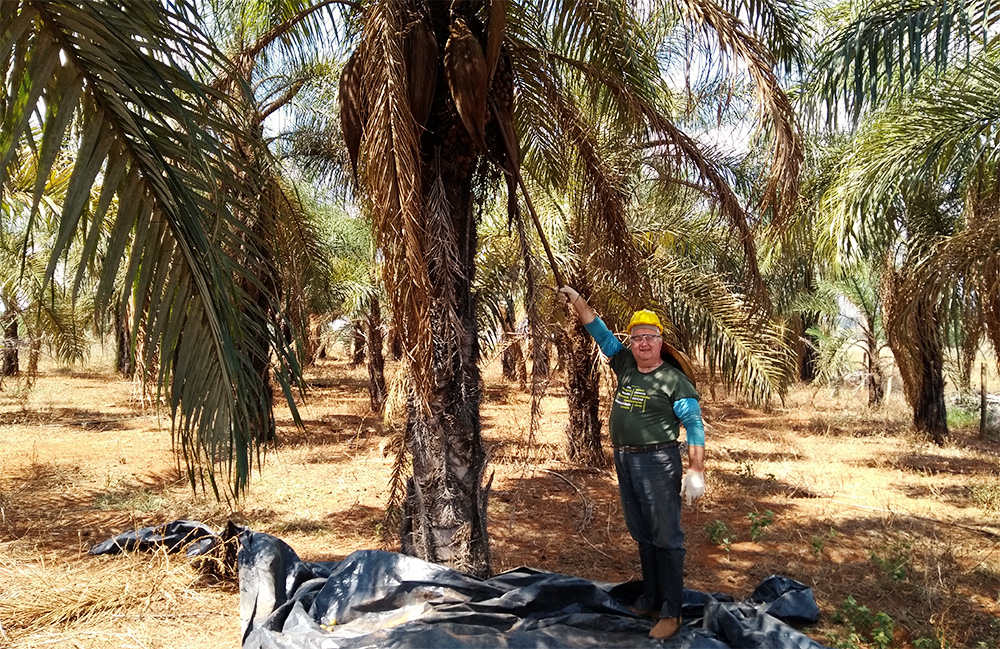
(643, 408)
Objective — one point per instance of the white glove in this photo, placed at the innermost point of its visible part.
(693, 486)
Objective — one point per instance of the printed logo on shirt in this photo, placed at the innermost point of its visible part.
(631, 397)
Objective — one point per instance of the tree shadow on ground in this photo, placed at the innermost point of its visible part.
(49, 505)
(329, 429)
(930, 463)
(88, 419)
(354, 516)
(763, 485)
(317, 386)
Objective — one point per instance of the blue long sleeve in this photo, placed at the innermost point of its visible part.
(689, 412)
(604, 337)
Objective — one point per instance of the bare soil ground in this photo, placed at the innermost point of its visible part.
(848, 501)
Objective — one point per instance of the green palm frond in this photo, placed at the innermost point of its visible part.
(888, 47)
(47, 309)
(289, 31)
(498, 279)
(313, 140)
(833, 361)
(943, 135)
(752, 357)
(117, 85)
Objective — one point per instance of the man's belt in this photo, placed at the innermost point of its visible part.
(647, 448)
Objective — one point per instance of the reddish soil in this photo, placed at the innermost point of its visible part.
(848, 501)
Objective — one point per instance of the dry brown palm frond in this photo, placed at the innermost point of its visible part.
(397, 393)
(390, 172)
(465, 69)
(786, 148)
(494, 37)
(970, 258)
(352, 122)
(894, 299)
(421, 69)
(395, 443)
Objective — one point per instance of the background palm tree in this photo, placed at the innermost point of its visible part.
(34, 312)
(915, 173)
(174, 195)
(859, 288)
(356, 295)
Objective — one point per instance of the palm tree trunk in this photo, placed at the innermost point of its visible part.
(445, 509)
(447, 503)
(358, 342)
(929, 412)
(11, 364)
(512, 360)
(583, 432)
(920, 359)
(805, 348)
(314, 340)
(376, 360)
(542, 367)
(875, 376)
(395, 344)
(991, 308)
(875, 381)
(124, 352)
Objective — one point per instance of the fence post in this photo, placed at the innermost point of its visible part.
(982, 401)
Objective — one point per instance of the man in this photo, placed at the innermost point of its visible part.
(654, 398)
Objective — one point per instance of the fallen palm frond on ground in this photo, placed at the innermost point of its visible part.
(37, 596)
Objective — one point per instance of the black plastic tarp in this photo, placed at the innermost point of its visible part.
(191, 536)
(387, 600)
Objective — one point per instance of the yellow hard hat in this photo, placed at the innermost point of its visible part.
(645, 317)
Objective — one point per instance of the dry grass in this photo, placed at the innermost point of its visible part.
(42, 597)
(848, 501)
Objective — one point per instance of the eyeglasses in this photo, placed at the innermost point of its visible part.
(645, 338)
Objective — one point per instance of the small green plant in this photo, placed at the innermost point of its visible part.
(758, 522)
(719, 533)
(896, 562)
(959, 417)
(818, 541)
(864, 627)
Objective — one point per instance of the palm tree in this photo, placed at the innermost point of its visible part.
(920, 172)
(115, 86)
(427, 101)
(356, 294)
(36, 312)
(859, 286)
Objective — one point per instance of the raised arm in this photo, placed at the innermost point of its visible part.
(595, 326)
(575, 300)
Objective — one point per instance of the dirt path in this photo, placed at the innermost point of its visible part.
(822, 491)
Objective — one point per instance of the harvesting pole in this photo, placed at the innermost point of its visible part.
(514, 169)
